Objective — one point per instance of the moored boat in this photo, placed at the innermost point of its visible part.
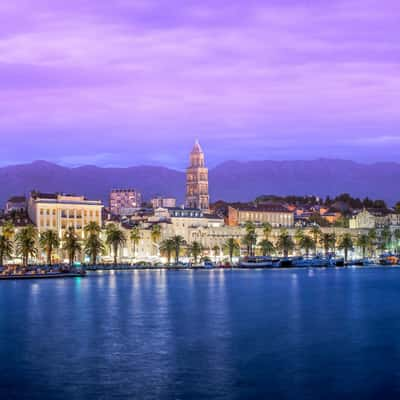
(362, 262)
(256, 262)
(388, 259)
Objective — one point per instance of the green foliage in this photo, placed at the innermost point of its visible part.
(385, 238)
(94, 246)
(135, 238)
(307, 243)
(8, 229)
(342, 222)
(49, 241)
(363, 242)
(195, 250)
(232, 247)
(178, 242)
(267, 247)
(167, 247)
(6, 248)
(328, 241)
(115, 238)
(71, 244)
(346, 244)
(267, 230)
(26, 243)
(317, 219)
(156, 233)
(285, 243)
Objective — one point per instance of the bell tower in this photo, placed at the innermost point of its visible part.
(197, 180)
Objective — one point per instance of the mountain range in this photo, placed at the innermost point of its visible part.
(230, 181)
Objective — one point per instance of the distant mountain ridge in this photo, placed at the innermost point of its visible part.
(230, 181)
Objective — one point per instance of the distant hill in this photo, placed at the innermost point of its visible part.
(94, 182)
(230, 181)
(246, 180)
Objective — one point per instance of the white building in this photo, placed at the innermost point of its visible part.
(163, 202)
(61, 211)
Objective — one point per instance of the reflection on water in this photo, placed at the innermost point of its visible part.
(202, 334)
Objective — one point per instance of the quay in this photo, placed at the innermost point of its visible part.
(42, 276)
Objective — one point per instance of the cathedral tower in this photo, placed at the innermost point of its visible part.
(197, 180)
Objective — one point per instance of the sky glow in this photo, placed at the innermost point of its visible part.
(119, 83)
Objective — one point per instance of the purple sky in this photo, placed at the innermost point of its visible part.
(128, 82)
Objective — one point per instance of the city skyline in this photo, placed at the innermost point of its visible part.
(132, 83)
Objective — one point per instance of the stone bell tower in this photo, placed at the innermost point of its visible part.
(197, 180)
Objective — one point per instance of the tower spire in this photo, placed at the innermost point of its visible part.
(197, 180)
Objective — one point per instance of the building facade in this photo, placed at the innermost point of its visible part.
(370, 219)
(124, 201)
(59, 212)
(16, 203)
(277, 216)
(197, 195)
(163, 202)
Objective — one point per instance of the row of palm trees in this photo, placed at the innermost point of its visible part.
(26, 243)
(310, 240)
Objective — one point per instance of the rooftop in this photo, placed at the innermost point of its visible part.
(16, 199)
(197, 148)
(263, 208)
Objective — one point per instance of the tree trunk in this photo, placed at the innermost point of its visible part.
(115, 254)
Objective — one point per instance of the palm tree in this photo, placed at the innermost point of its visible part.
(267, 230)
(8, 229)
(231, 246)
(178, 241)
(156, 234)
(216, 250)
(250, 239)
(135, 238)
(71, 244)
(363, 244)
(386, 237)
(249, 226)
(93, 247)
(26, 243)
(307, 243)
(6, 248)
(167, 246)
(315, 233)
(195, 250)
(346, 244)
(328, 241)
(372, 238)
(267, 247)
(298, 236)
(49, 241)
(115, 238)
(396, 234)
(92, 228)
(285, 242)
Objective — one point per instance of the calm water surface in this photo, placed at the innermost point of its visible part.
(294, 334)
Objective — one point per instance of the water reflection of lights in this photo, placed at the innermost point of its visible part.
(35, 289)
